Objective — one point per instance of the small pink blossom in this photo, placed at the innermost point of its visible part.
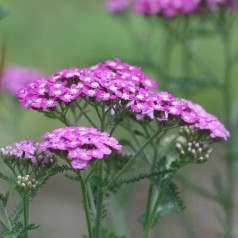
(82, 144)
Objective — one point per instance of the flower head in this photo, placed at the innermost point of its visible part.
(26, 151)
(16, 77)
(81, 144)
(116, 6)
(168, 8)
(112, 80)
(208, 122)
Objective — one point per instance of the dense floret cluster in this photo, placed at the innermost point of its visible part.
(27, 150)
(116, 6)
(16, 77)
(105, 81)
(169, 8)
(207, 121)
(81, 144)
(123, 85)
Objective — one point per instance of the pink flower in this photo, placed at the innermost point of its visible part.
(206, 121)
(29, 150)
(109, 81)
(82, 144)
(116, 6)
(16, 77)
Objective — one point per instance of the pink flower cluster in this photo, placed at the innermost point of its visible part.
(29, 150)
(105, 81)
(168, 8)
(116, 6)
(114, 80)
(82, 144)
(16, 77)
(163, 107)
(208, 122)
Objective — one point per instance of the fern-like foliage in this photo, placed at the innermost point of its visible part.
(6, 178)
(18, 230)
(108, 234)
(139, 177)
(171, 201)
(53, 171)
(16, 213)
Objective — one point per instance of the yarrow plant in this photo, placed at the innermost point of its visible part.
(120, 96)
(178, 30)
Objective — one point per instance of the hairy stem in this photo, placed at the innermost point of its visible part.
(86, 204)
(26, 201)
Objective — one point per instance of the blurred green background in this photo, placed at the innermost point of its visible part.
(57, 34)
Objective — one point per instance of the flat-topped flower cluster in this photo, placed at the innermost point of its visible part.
(123, 85)
(27, 150)
(81, 144)
(15, 77)
(106, 81)
(169, 8)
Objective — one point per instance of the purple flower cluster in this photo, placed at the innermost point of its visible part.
(163, 107)
(208, 122)
(168, 8)
(115, 6)
(105, 81)
(82, 144)
(16, 77)
(29, 150)
(114, 80)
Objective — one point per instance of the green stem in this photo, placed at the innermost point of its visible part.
(99, 208)
(7, 219)
(85, 114)
(131, 161)
(85, 204)
(151, 217)
(26, 212)
(4, 224)
(230, 145)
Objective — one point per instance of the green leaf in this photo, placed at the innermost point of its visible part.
(6, 178)
(19, 230)
(125, 142)
(139, 133)
(171, 201)
(108, 234)
(139, 177)
(16, 213)
(69, 176)
(53, 171)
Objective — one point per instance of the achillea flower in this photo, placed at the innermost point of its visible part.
(208, 122)
(168, 8)
(164, 107)
(81, 144)
(16, 77)
(116, 6)
(26, 151)
(105, 81)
